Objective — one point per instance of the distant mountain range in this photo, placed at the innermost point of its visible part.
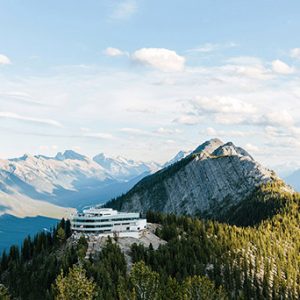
(124, 169)
(210, 181)
(37, 190)
(40, 185)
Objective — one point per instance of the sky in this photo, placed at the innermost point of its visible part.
(145, 79)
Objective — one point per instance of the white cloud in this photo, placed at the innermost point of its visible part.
(212, 132)
(168, 131)
(135, 131)
(279, 118)
(252, 148)
(20, 97)
(124, 9)
(234, 119)
(295, 53)
(232, 95)
(220, 104)
(256, 71)
(210, 47)
(160, 132)
(44, 148)
(4, 60)
(160, 58)
(110, 51)
(248, 66)
(281, 67)
(170, 141)
(98, 135)
(14, 116)
(275, 132)
(244, 60)
(188, 119)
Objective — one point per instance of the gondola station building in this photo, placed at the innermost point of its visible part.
(99, 221)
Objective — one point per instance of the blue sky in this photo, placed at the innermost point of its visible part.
(144, 79)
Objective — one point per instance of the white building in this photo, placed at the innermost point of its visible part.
(106, 221)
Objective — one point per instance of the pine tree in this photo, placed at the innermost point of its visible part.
(61, 235)
(144, 282)
(4, 294)
(75, 285)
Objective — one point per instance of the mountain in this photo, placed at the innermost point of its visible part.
(37, 190)
(246, 246)
(40, 185)
(70, 154)
(294, 180)
(179, 156)
(30, 183)
(214, 178)
(209, 146)
(122, 168)
(197, 259)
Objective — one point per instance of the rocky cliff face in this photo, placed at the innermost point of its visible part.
(212, 179)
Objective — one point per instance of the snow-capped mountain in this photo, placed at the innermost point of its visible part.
(37, 190)
(39, 185)
(122, 168)
(179, 156)
(48, 174)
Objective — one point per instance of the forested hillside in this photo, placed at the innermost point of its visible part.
(259, 260)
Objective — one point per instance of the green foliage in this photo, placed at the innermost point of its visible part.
(265, 202)
(254, 262)
(108, 268)
(4, 294)
(61, 236)
(144, 282)
(74, 286)
(197, 288)
(253, 254)
(29, 274)
(82, 246)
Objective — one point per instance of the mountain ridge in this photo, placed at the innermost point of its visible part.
(209, 181)
(32, 184)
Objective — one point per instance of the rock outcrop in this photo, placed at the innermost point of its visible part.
(210, 180)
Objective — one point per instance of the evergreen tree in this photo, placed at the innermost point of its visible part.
(198, 288)
(4, 294)
(144, 282)
(75, 285)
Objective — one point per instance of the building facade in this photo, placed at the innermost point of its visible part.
(106, 221)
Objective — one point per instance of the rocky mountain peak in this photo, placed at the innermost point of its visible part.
(230, 149)
(209, 146)
(219, 176)
(122, 168)
(70, 154)
(180, 155)
(24, 157)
